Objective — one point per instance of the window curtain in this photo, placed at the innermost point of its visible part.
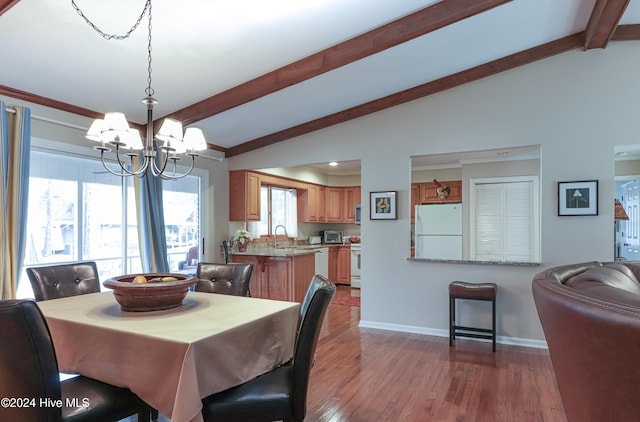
(151, 232)
(15, 145)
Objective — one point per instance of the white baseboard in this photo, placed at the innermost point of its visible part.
(513, 341)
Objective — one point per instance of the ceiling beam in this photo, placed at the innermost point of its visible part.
(48, 102)
(603, 22)
(627, 33)
(58, 105)
(6, 5)
(424, 21)
(512, 61)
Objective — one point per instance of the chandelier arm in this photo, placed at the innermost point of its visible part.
(175, 176)
(147, 6)
(140, 171)
(124, 173)
(157, 171)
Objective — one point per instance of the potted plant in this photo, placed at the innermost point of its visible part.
(242, 238)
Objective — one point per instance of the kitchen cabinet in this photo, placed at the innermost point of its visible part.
(335, 209)
(351, 197)
(279, 277)
(428, 192)
(341, 204)
(322, 204)
(340, 264)
(244, 196)
(316, 203)
(311, 204)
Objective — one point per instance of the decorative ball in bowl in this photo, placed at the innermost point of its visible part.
(151, 291)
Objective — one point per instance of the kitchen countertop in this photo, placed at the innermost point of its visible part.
(286, 251)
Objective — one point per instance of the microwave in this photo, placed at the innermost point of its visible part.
(331, 236)
(357, 214)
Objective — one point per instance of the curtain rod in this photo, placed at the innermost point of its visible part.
(46, 119)
(72, 126)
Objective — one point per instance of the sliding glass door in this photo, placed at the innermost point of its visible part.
(78, 211)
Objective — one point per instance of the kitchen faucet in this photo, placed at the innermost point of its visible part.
(275, 235)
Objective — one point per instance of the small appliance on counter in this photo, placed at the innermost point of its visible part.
(315, 240)
(331, 237)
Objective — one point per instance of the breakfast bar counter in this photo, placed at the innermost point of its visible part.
(280, 274)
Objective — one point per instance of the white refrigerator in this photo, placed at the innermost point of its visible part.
(438, 231)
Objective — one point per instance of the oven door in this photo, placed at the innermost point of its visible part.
(355, 265)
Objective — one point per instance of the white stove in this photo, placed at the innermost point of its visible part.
(355, 265)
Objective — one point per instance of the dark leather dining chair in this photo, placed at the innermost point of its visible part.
(228, 279)
(29, 373)
(280, 394)
(56, 281)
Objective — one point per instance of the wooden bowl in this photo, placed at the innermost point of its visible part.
(150, 296)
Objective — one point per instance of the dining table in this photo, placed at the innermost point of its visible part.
(175, 357)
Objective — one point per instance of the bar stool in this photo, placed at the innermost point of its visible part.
(472, 291)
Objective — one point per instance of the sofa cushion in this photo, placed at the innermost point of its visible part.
(613, 274)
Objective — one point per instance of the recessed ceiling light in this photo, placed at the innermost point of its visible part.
(333, 163)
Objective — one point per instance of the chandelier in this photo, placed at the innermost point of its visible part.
(159, 154)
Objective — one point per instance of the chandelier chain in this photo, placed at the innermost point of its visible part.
(149, 91)
(147, 6)
(126, 141)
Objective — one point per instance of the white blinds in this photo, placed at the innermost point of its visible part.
(504, 223)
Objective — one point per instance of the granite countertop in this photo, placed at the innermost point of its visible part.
(285, 251)
(467, 261)
(278, 252)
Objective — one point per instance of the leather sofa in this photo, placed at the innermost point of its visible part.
(590, 314)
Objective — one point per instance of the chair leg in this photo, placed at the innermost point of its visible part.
(144, 415)
(493, 311)
(452, 319)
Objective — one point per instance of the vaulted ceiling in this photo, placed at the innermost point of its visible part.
(270, 71)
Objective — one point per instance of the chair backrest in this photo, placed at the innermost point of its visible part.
(28, 366)
(313, 310)
(56, 281)
(228, 279)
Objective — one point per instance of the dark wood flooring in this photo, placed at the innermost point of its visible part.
(367, 375)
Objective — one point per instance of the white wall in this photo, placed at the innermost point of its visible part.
(576, 106)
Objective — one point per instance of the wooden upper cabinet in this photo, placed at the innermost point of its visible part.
(316, 203)
(335, 207)
(322, 204)
(244, 196)
(430, 194)
(351, 198)
(311, 206)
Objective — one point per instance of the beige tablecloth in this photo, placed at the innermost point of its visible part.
(173, 358)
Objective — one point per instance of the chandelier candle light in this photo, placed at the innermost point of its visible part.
(167, 145)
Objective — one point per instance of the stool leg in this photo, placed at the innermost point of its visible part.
(494, 323)
(452, 319)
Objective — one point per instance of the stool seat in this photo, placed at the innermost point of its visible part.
(464, 290)
(472, 291)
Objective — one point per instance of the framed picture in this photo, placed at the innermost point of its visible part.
(383, 205)
(578, 198)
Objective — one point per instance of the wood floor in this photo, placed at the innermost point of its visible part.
(366, 375)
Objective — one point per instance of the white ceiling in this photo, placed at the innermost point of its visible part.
(204, 47)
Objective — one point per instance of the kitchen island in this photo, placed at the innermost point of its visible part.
(280, 274)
